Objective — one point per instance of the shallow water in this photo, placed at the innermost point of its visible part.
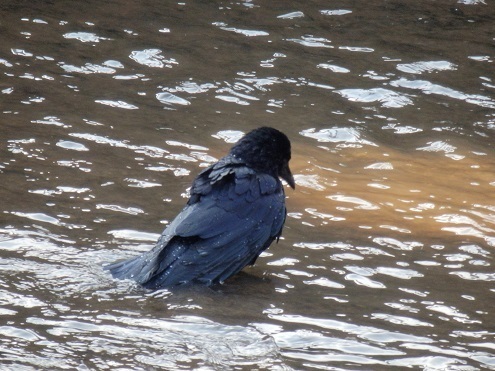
(109, 110)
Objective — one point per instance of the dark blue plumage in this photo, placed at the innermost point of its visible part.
(235, 211)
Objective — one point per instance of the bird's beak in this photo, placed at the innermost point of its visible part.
(286, 175)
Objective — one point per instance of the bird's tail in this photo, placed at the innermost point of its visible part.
(137, 269)
(142, 267)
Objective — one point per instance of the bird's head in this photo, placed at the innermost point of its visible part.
(266, 150)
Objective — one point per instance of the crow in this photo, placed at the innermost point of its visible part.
(235, 211)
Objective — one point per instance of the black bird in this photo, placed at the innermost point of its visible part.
(235, 211)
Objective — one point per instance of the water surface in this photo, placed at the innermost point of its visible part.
(108, 112)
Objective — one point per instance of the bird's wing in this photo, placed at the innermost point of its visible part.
(220, 234)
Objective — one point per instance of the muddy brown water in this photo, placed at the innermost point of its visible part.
(109, 110)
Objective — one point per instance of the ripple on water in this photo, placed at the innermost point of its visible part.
(116, 103)
(324, 282)
(368, 333)
(310, 181)
(179, 340)
(343, 136)
(88, 68)
(359, 49)
(400, 320)
(364, 281)
(67, 144)
(312, 346)
(191, 87)
(229, 136)
(336, 12)
(380, 166)
(244, 32)
(360, 203)
(170, 99)
(396, 244)
(312, 42)
(152, 58)
(324, 216)
(428, 87)
(121, 209)
(402, 129)
(291, 15)
(51, 120)
(388, 98)
(85, 37)
(42, 217)
(132, 235)
(11, 299)
(475, 276)
(428, 66)
(333, 68)
(137, 183)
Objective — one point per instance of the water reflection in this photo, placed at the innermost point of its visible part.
(110, 110)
